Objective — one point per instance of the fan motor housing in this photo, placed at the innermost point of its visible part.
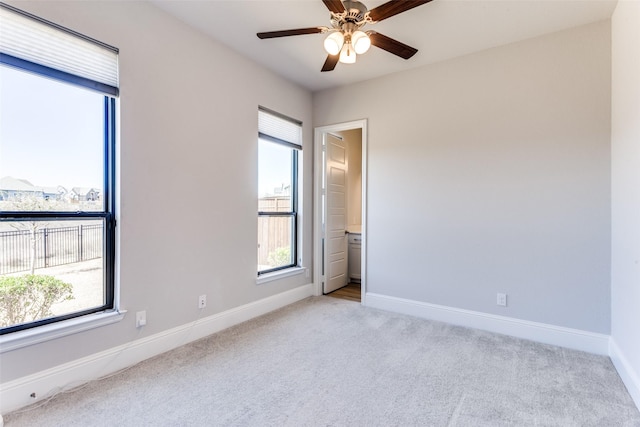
(355, 11)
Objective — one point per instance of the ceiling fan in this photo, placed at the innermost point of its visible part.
(346, 38)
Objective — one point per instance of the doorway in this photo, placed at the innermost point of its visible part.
(340, 207)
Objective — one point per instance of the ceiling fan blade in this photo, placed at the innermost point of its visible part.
(334, 6)
(394, 7)
(286, 33)
(330, 63)
(392, 46)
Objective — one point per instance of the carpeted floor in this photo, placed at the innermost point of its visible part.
(331, 362)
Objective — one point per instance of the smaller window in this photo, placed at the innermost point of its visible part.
(279, 143)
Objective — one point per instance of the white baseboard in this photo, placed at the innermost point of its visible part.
(17, 393)
(629, 376)
(549, 334)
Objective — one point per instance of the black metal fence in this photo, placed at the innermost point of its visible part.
(49, 247)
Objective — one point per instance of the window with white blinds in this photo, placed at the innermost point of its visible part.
(279, 128)
(34, 44)
(57, 176)
(279, 149)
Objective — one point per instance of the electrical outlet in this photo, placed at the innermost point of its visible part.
(202, 301)
(502, 299)
(307, 273)
(141, 319)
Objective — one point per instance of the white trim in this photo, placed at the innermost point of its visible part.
(318, 234)
(629, 376)
(277, 275)
(365, 210)
(16, 340)
(16, 394)
(541, 332)
(319, 170)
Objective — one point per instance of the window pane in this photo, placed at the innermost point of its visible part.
(275, 163)
(50, 268)
(275, 247)
(277, 190)
(51, 145)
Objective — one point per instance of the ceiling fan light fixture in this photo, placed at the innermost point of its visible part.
(345, 38)
(361, 42)
(333, 43)
(348, 54)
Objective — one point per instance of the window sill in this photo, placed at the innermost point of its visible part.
(40, 334)
(276, 275)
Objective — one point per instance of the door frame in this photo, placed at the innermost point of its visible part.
(318, 233)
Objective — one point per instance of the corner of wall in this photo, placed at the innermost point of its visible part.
(629, 376)
(625, 194)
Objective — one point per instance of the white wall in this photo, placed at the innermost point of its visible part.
(625, 194)
(188, 167)
(491, 173)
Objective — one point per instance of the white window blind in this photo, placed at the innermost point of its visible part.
(280, 129)
(29, 38)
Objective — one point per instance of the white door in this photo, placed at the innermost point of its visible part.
(336, 214)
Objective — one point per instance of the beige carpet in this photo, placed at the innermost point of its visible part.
(331, 362)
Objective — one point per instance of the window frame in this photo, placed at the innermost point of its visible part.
(294, 212)
(107, 214)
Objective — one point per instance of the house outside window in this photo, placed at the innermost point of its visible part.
(57, 168)
(279, 149)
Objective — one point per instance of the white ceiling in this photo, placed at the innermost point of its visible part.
(440, 30)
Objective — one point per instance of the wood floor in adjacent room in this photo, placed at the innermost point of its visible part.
(350, 292)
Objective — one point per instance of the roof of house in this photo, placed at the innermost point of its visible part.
(84, 190)
(15, 184)
(53, 190)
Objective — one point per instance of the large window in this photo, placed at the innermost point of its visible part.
(279, 144)
(57, 145)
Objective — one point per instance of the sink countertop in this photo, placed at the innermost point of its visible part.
(354, 229)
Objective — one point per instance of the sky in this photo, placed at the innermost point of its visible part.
(51, 133)
(274, 167)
